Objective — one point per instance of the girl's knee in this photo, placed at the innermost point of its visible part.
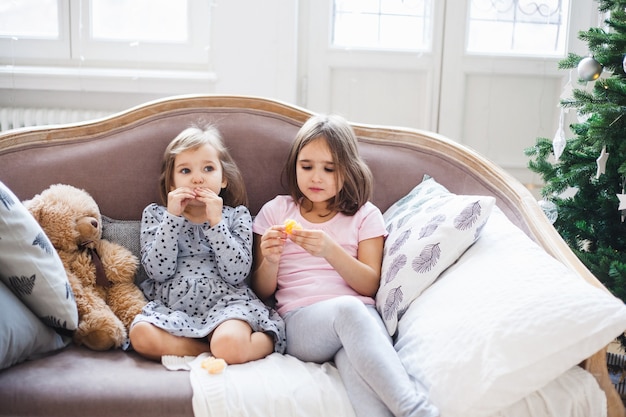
(231, 342)
(350, 307)
(350, 312)
(226, 346)
(143, 338)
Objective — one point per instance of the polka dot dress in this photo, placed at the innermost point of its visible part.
(197, 275)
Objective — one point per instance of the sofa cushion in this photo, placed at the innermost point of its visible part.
(502, 322)
(31, 267)
(429, 229)
(22, 335)
(125, 233)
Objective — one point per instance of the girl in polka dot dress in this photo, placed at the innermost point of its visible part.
(197, 252)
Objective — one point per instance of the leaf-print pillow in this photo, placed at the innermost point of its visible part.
(429, 229)
(31, 268)
(22, 335)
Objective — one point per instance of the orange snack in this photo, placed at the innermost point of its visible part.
(213, 365)
(291, 225)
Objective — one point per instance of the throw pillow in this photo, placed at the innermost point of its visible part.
(31, 267)
(503, 322)
(428, 230)
(22, 335)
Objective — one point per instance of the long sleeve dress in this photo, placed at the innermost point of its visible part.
(197, 275)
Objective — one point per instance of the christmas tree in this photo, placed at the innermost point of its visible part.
(585, 175)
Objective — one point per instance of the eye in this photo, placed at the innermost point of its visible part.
(185, 171)
(329, 169)
(209, 168)
(306, 167)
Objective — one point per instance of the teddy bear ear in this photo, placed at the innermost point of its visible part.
(34, 207)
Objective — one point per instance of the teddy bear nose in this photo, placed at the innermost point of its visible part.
(94, 223)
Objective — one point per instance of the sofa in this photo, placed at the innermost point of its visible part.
(542, 341)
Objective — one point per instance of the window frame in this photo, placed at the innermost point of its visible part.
(14, 50)
(561, 39)
(74, 45)
(379, 46)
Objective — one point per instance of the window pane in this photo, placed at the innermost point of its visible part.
(357, 6)
(139, 20)
(382, 24)
(520, 27)
(29, 19)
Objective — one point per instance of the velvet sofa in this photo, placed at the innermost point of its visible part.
(117, 160)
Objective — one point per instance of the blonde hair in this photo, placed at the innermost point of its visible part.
(350, 168)
(234, 194)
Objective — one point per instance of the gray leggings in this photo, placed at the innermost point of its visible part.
(352, 334)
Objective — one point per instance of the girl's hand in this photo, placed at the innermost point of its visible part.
(178, 199)
(315, 242)
(273, 243)
(213, 204)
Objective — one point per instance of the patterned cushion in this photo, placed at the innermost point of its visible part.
(429, 229)
(31, 267)
(22, 335)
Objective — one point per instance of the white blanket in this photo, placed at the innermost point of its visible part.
(281, 385)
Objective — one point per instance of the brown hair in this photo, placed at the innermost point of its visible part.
(234, 194)
(349, 166)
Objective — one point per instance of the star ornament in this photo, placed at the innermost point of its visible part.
(622, 201)
(601, 162)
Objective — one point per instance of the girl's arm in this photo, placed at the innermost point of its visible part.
(159, 242)
(362, 273)
(267, 251)
(232, 243)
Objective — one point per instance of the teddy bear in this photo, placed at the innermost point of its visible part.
(101, 273)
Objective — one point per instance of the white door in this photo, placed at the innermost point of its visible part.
(496, 104)
(377, 87)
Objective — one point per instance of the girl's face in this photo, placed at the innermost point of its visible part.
(198, 168)
(316, 172)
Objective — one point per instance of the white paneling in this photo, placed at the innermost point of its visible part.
(528, 109)
(359, 94)
(254, 48)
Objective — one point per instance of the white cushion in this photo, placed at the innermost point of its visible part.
(428, 229)
(502, 322)
(31, 267)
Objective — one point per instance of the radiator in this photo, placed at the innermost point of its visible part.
(15, 117)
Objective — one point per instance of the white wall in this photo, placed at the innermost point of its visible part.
(255, 49)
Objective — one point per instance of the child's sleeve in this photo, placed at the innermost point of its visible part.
(266, 218)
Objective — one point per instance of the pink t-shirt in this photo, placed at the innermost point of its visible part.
(304, 279)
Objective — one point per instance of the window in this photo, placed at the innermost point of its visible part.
(116, 32)
(518, 27)
(383, 24)
(42, 21)
(505, 27)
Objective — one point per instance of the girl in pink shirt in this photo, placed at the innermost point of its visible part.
(325, 273)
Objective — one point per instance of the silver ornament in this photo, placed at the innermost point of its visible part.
(549, 209)
(589, 69)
